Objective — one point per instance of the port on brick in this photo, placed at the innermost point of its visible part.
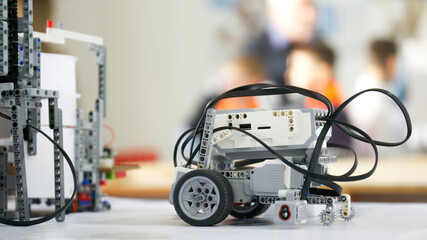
(246, 126)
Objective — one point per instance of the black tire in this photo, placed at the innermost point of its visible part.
(249, 210)
(222, 209)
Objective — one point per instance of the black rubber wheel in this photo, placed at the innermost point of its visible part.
(249, 210)
(203, 198)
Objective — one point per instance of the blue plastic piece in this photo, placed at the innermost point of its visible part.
(83, 203)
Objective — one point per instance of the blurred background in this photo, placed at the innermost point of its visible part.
(166, 58)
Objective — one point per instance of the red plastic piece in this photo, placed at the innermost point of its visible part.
(75, 204)
(49, 24)
(85, 197)
(120, 174)
(136, 156)
(102, 183)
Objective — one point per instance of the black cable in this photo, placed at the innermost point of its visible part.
(61, 209)
(326, 180)
(355, 162)
(347, 129)
(330, 118)
(5, 116)
(304, 171)
(395, 100)
(246, 162)
(323, 192)
(175, 151)
(262, 89)
(186, 141)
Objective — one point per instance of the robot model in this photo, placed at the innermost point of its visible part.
(248, 159)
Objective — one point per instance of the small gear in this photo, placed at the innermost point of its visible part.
(327, 217)
(349, 217)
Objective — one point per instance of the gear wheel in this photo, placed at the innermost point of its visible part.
(327, 217)
(349, 217)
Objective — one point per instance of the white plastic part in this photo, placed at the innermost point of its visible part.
(219, 136)
(58, 71)
(346, 206)
(282, 193)
(106, 163)
(40, 168)
(290, 212)
(292, 127)
(178, 173)
(82, 37)
(48, 38)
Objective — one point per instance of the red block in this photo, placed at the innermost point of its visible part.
(120, 174)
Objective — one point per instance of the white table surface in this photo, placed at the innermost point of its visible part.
(156, 219)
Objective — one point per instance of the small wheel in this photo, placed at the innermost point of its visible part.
(327, 217)
(349, 217)
(249, 210)
(203, 198)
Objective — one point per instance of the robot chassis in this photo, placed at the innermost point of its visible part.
(222, 186)
(20, 94)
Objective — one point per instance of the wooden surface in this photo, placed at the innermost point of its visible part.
(396, 179)
(151, 180)
(121, 167)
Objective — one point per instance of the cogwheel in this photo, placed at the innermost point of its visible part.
(350, 217)
(327, 218)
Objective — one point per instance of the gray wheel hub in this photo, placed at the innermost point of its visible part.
(199, 198)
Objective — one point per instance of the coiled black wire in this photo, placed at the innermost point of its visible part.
(269, 89)
(59, 210)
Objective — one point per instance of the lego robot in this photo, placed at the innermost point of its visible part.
(289, 149)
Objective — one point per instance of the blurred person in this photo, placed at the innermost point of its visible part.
(381, 68)
(312, 67)
(373, 112)
(289, 23)
(244, 70)
(238, 72)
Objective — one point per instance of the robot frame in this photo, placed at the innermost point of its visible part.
(218, 178)
(21, 95)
